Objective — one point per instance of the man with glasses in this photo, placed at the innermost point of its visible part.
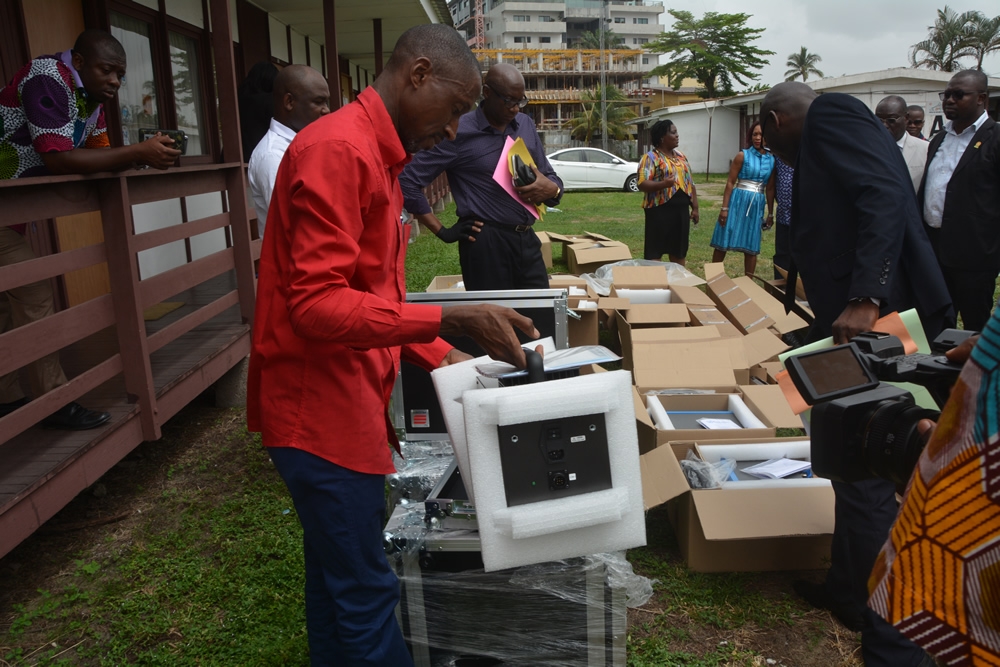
(960, 196)
(497, 248)
(892, 112)
(915, 121)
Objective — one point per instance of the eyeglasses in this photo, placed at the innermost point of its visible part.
(510, 102)
(891, 119)
(957, 94)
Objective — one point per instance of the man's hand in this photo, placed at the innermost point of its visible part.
(492, 327)
(158, 152)
(858, 317)
(460, 231)
(960, 354)
(456, 356)
(541, 190)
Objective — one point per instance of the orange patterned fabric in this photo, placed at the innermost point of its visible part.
(937, 579)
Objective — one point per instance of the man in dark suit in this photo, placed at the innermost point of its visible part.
(961, 198)
(857, 238)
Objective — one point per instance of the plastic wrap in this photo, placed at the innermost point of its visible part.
(703, 475)
(417, 471)
(600, 280)
(566, 612)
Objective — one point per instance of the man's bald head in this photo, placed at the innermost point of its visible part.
(782, 114)
(504, 76)
(99, 44)
(891, 111)
(430, 81)
(301, 96)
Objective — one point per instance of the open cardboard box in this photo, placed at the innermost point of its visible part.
(446, 284)
(743, 526)
(734, 302)
(766, 403)
(582, 324)
(588, 256)
(647, 336)
(546, 242)
(783, 322)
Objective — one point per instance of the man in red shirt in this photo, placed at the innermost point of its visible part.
(331, 326)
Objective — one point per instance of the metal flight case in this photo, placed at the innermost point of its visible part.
(453, 614)
(415, 408)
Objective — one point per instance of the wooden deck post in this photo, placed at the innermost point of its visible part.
(123, 270)
(236, 186)
(332, 55)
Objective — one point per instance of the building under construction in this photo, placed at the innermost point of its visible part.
(545, 40)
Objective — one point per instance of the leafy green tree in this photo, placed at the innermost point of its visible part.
(586, 125)
(984, 36)
(802, 64)
(948, 41)
(591, 39)
(715, 49)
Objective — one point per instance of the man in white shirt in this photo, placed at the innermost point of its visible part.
(960, 196)
(892, 112)
(301, 95)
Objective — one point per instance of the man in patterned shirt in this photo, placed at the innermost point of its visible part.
(51, 116)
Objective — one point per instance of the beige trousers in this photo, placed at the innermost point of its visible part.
(21, 306)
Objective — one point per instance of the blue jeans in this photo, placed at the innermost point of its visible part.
(351, 592)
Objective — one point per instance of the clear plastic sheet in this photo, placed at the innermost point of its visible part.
(545, 615)
(703, 475)
(600, 280)
(417, 471)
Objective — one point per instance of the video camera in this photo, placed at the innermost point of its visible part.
(861, 427)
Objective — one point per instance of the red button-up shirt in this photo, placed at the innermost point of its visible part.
(331, 323)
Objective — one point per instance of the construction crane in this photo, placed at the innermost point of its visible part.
(479, 20)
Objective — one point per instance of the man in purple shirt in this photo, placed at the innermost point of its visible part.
(497, 248)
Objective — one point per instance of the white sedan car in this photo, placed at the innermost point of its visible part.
(594, 169)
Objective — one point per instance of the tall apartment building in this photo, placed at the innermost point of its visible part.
(542, 38)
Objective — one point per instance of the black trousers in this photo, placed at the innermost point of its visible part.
(501, 259)
(971, 295)
(782, 248)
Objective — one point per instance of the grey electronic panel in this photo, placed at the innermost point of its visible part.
(554, 458)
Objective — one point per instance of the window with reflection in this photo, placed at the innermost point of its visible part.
(186, 75)
(137, 95)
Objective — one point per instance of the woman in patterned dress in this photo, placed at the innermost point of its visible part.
(741, 218)
(665, 178)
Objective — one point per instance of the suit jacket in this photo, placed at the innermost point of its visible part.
(970, 226)
(915, 156)
(856, 230)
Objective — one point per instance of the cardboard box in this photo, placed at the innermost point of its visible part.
(563, 281)
(690, 364)
(588, 256)
(546, 248)
(629, 337)
(690, 296)
(639, 277)
(711, 316)
(733, 301)
(783, 322)
(742, 527)
(766, 402)
(582, 324)
(446, 284)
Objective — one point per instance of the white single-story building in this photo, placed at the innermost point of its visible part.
(726, 120)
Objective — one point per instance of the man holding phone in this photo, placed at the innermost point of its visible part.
(498, 248)
(51, 119)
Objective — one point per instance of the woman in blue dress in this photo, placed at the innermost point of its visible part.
(741, 218)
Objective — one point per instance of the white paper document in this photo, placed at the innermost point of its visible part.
(556, 360)
(718, 423)
(778, 468)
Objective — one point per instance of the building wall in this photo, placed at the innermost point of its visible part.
(693, 129)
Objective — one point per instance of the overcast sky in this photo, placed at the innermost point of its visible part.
(851, 36)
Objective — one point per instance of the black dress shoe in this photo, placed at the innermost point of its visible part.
(7, 408)
(819, 596)
(75, 417)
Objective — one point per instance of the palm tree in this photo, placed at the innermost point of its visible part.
(586, 125)
(802, 64)
(591, 39)
(984, 37)
(947, 42)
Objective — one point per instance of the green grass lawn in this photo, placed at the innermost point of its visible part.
(617, 215)
(192, 554)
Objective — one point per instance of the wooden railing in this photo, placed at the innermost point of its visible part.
(114, 195)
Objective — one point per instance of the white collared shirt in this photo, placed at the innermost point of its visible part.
(264, 168)
(941, 168)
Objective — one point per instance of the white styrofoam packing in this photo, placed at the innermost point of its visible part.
(644, 295)
(595, 530)
(793, 449)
